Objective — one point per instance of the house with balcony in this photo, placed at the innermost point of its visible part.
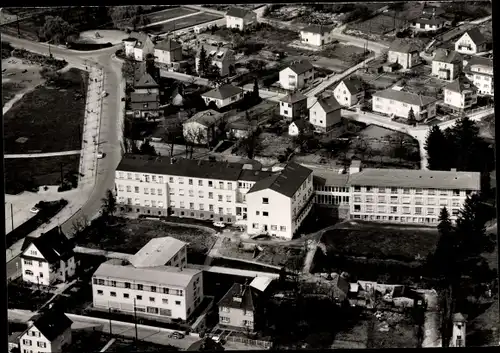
(349, 92)
(145, 105)
(396, 103)
(316, 35)
(325, 113)
(202, 128)
(168, 51)
(297, 75)
(240, 309)
(447, 64)
(49, 332)
(471, 42)
(247, 179)
(223, 95)
(138, 46)
(146, 84)
(293, 105)
(48, 258)
(221, 57)
(403, 53)
(239, 18)
(480, 71)
(460, 94)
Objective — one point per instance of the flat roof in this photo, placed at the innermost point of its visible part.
(157, 252)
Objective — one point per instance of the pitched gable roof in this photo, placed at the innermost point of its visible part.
(354, 85)
(52, 324)
(145, 81)
(447, 56)
(301, 124)
(245, 293)
(143, 97)
(401, 46)
(53, 245)
(476, 36)
(168, 45)
(293, 97)
(405, 97)
(317, 29)
(340, 287)
(238, 12)
(286, 182)
(460, 84)
(216, 53)
(223, 92)
(329, 104)
(300, 67)
(206, 118)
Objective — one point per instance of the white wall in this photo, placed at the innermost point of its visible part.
(453, 68)
(220, 103)
(41, 269)
(400, 109)
(315, 39)
(167, 57)
(322, 121)
(293, 130)
(291, 81)
(344, 97)
(466, 41)
(147, 90)
(34, 335)
(126, 182)
(234, 22)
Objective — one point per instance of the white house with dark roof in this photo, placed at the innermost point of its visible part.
(49, 332)
(223, 95)
(298, 127)
(447, 64)
(278, 204)
(293, 105)
(221, 57)
(428, 24)
(239, 18)
(239, 308)
(168, 51)
(47, 258)
(349, 92)
(460, 94)
(138, 46)
(202, 127)
(316, 35)
(325, 113)
(403, 53)
(480, 71)
(471, 42)
(398, 104)
(297, 75)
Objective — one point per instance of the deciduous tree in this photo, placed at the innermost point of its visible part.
(109, 204)
(56, 30)
(436, 146)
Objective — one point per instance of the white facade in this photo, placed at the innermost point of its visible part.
(238, 22)
(293, 110)
(482, 77)
(446, 71)
(141, 53)
(221, 103)
(466, 45)
(459, 332)
(293, 130)
(316, 39)
(460, 100)
(345, 97)
(34, 341)
(222, 58)
(291, 80)
(321, 120)
(401, 109)
(166, 56)
(406, 60)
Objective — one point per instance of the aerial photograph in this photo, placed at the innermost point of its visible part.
(249, 177)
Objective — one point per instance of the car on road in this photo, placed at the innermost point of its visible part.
(219, 224)
(104, 94)
(34, 209)
(176, 335)
(101, 155)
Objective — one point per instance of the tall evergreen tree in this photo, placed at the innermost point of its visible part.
(256, 89)
(436, 147)
(204, 62)
(411, 117)
(466, 143)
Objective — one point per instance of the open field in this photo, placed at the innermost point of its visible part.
(182, 23)
(129, 235)
(50, 118)
(266, 35)
(29, 173)
(349, 54)
(18, 78)
(169, 14)
(378, 25)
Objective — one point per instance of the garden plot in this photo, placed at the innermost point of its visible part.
(272, 145)
(18, 78)
(182, 23)
(169, 14)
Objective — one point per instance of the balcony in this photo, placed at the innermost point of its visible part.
(306, 206)
(465, 47)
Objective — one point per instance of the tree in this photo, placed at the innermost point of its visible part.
(214, 77)
(255, 92)
(147, 149)
(56, 30)
(128, 70)
(139, 21)
(436, 146)
(466, 143)
(123, 16)
(411, 117)
(204, 62)
(251, 142)
(109, 204)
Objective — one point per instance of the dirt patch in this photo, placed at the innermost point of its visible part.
(105, 36)
(18, 78)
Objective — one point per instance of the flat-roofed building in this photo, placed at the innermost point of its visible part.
(164, 251)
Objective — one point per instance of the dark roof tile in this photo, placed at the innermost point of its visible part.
(53, 245)
(52, 324)
(286, 182)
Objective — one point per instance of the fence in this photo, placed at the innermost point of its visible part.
(249, 341)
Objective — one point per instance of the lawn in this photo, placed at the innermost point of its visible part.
(349, 54)
(22, 296)
(9, 90)
(169, 14)
(378, 25)
(129, 235)
(49, 119)
(272, 145)
(30, 173)
(182, 23)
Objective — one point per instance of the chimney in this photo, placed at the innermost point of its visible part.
(29, 323)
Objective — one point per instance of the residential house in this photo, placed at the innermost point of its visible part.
(202, 128)
(325, 113)
(48, 258)
(428, 24)
(50, 332)
(223, 95)
(460, 94)
(293, 105)
(298, 127)
(278, 204)
(239, 18)
(316, 35)
(398, 104)
(471, 42)
(221, 57)
(241, 128)
(403, 53)
(447, 64)
(146, 84)
(168, 51)
(480, 71)
(13, 341)
(239, 308)
(297, 75)
(138, 46)
(349, 92)
(145, 105)
(340, 289)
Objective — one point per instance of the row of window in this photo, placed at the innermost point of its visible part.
(146, 191)
(331, 199)
(137, 297)
(226, 320)
(40, 344)
(407, 191)
(273, 227)
(404, 210)
(225, 309)
(138, 286)
(331, 189)
(30, 263)
(407, 200)
(396, 218)
(180, 180)
(31, 273)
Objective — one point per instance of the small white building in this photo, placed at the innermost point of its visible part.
(293, 105)
(50, 332)
(163, 251)
(428, 24)
(239, 18)
(223, 95)
(168, 51)
(398, 104)
(316, 35)
(447, 64)
(349, 92)
(471, 42)
(297, 75)
(241, 128)
(298, 127)
(223, 58)
(459, 332)
(480, 71)
(460, 94)
(325, 113)
(47, 258)
(138, 46)
(403, 53)
(202, 127)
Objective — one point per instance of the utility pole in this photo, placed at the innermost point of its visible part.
(135, 321)
(62, 176)
(110, 328)
(12, 215)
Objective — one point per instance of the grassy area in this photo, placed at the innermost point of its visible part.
(402, 335)
(169, 14)
(30, 173)
(50, 119)
(347, 53)
(26, 297)
(130, 235)
(183, 23)
(9, 90)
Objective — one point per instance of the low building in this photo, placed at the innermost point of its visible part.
(398, 104)
(223, 95)
(471, 42)
(325, 113)
(349, 92)
(480, 71)
(239, 308)
(241, 128)
(145, 105)
(50, 332)
(202, 127)
(428, 24)
(223, 58)
(168, 51)
(145, 84)
(403, 53)
(297, 75)
(293, 105)
(316, 35)
(447, 64)
(298, 127)
(48, 258)
(138, 46)
(460, 94)
(13, 340)
(163, 251)
(239, 18)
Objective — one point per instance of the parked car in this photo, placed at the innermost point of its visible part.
(219, 224)
(176, 335)
(101, 155)
(104, 94)
(34, 209)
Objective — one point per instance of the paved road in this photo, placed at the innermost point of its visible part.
(41, 155)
